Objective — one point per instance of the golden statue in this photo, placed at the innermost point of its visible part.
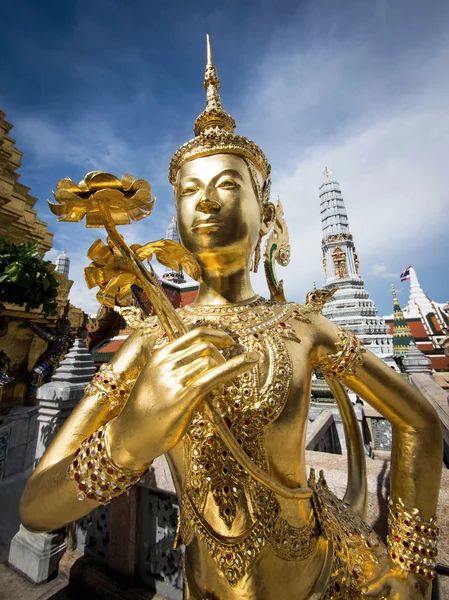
(222, 388)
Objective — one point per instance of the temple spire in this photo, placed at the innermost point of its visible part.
(402, 336)
(351, 306)
(176, 276)
(417, 296)
(63, 264)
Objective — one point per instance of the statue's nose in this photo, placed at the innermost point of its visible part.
(208, 206)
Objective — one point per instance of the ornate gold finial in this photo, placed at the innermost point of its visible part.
(214, 131)
(214, 115)
(327, 174)
(395, 298)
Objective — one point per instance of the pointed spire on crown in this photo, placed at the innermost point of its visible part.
(214, 133)
(211, 75)
(214, 116)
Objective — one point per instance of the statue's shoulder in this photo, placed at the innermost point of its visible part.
(315, 300)
(139, 324)
(309, 313)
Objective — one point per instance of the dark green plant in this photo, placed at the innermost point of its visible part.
(5, 363)
(25, 278)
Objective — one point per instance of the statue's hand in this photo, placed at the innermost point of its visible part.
(172, 383)
(396, 584)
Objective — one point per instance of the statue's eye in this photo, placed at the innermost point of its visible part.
(228, 184)
(189, 190)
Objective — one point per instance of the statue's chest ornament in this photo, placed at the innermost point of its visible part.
(251, 402)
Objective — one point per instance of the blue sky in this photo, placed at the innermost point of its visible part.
(359, 86)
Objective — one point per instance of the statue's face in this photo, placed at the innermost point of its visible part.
(219, 216)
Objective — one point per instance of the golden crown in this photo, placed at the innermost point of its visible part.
(214, 131)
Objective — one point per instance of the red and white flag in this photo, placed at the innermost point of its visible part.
(405, 275)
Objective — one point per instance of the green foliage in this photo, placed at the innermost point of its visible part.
(5, 363)
(26, 279)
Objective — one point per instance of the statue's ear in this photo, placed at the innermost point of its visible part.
(268, 215)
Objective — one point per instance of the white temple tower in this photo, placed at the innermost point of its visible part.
(171, 274)
(351, 306)
(63, 264)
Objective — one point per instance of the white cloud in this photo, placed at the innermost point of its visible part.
(390, 157)
(382, 127)
(381, 271)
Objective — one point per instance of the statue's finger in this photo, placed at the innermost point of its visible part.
(223, 373)
(214, 336)
(376, 590)
(196, 367)
(185, 357)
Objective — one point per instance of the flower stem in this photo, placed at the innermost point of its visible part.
(163, 308)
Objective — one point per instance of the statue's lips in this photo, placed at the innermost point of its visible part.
(207, 224)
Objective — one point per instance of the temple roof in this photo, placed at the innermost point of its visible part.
(419, 304)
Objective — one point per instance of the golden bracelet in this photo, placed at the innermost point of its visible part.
(412, 542)
(95, 474)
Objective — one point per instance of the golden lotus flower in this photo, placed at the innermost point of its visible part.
(101, 196)
(115, 275)
(171, 255)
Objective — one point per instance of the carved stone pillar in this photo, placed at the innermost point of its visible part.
(123, 532)
(37, 555)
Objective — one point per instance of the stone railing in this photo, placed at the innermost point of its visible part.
(322, 434)
(136, 540)
(5, 434)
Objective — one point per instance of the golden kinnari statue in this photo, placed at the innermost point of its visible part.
(222, 388)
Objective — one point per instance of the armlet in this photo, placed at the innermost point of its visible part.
(345, 359)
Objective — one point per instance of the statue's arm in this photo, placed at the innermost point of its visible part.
(416, 458)
(171, 382)
(49, 500)
(42, 333)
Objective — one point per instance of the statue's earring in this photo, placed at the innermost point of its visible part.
(277, 248)
(256, 257)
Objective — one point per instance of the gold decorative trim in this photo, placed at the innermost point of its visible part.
(357, 549)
